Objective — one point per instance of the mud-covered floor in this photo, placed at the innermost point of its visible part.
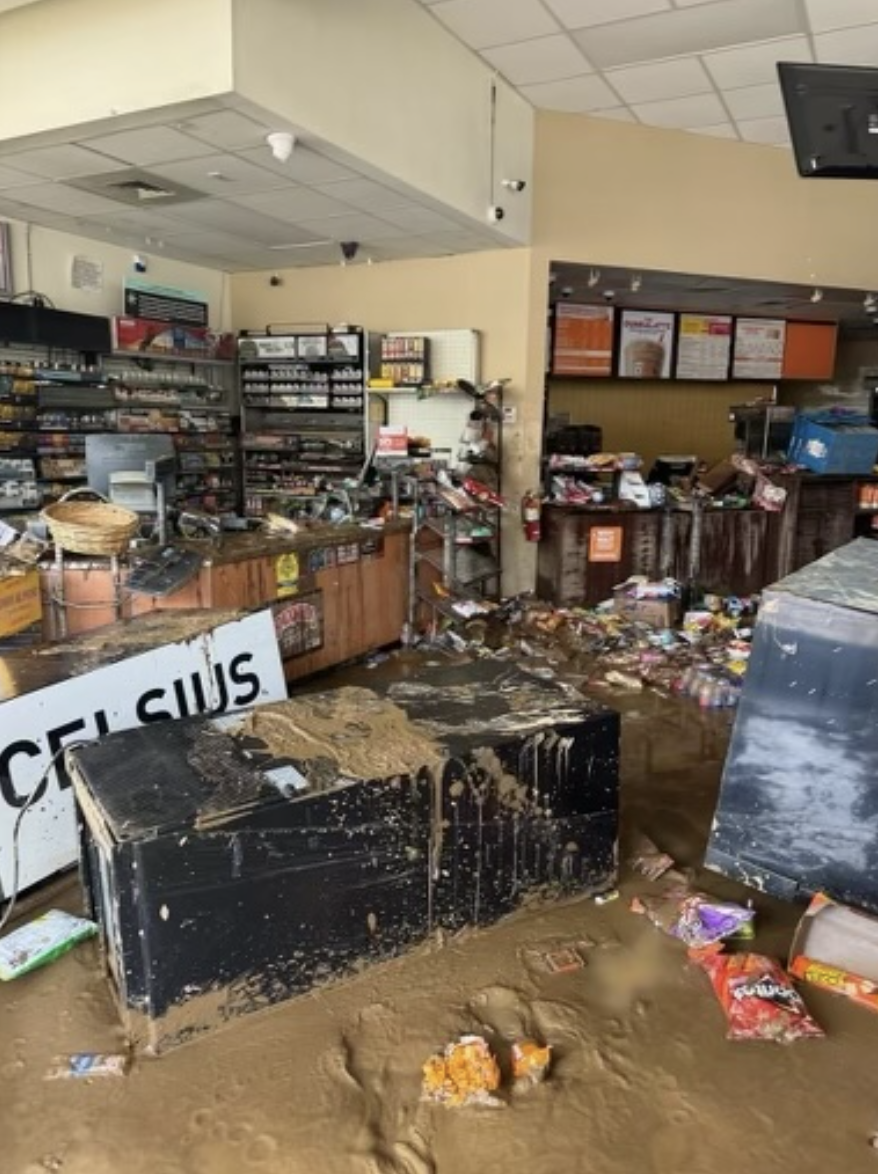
(643, 1081)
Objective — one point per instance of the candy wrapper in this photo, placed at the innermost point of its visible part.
(757, 996)
(87, 1065)
(466, 1073)
(694, 918)
(530, 1064)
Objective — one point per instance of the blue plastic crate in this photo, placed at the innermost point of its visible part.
(833, 448)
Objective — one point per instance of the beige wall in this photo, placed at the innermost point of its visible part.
(481, 291)
(64, 62)
(42, 260)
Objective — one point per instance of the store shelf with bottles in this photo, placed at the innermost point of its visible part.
(303, 398)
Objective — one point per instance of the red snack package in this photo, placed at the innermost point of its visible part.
(757, 996)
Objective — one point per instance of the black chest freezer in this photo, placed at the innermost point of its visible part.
(235, 862)
(798, 806)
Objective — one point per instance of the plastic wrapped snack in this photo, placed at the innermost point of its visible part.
(694, 918)
(530, 1064)
(466, 1073)
(41, 941)
(757, 996)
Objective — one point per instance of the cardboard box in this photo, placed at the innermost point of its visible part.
(720, 478)
(836, 949)
(833, 448)
(659, 613)
(20, 604)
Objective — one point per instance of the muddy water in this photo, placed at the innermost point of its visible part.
(643, 1080)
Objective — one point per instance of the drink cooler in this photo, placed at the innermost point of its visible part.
(798, 806)
(217, 895)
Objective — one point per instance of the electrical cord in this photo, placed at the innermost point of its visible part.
(31, 799)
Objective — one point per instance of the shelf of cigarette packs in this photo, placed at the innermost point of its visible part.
(18, 485)
(303, 396)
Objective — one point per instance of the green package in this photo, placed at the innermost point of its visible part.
(41, 941)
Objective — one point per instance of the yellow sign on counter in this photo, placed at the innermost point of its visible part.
(20, 603)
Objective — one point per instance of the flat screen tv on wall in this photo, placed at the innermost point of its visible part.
(832, 112)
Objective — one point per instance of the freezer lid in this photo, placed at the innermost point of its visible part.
(848, 577)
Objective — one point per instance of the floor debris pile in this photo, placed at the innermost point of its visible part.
(702, 657)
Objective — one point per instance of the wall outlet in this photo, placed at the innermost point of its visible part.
(510, 414)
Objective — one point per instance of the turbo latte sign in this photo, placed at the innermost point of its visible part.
(232, 666)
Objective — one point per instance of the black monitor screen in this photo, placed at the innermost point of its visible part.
(832, 111)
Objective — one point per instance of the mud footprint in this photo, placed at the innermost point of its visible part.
(503, 1010)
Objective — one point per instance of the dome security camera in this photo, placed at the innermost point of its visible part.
(281, 143)
(609, 295)
(514, 185)
(496, 213)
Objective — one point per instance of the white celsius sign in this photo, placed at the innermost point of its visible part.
(231, 666)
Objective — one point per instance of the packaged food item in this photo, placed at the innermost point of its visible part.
(41, 941)
(694, 918)
(466, 1073)
(530, 1064)
(558, 958)
(757, 996)
(85, 1065)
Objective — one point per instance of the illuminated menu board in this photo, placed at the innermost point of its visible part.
(704, 346)
(583, 342)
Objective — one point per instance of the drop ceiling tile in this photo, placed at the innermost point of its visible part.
(662, 79)
(754, 65)
(293, 205)
(682, 113)
(857, 46)
(356, 227)
(213, 244)
(482, 23)
(576, 95)
(363, 194)
(304, 166)
(722, 130)
(764, 130)
(826, 15)
(226, 129)
(320, 252)
(418, 220)
(59, 197)
(153, 144)
(580, 14)
(716, 25)
(62, 162)
(221, 176)
(755, 102)
(143, 221)
(543, 60)
(221, 216)
(10, 178)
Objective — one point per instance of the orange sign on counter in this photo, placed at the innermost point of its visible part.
(20, 603)
(605, 544)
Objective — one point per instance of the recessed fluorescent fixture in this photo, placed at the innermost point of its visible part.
(300, 245)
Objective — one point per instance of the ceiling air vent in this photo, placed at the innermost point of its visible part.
(136, 188)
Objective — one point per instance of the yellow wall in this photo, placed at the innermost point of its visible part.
(651, 418)
(479, 291)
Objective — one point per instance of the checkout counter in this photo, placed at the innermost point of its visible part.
(337, 591)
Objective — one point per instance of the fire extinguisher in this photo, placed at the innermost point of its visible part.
(531, 516)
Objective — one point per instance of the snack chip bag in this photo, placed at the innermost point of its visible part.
(466, 1073)
(757, 997)
(530, 1063)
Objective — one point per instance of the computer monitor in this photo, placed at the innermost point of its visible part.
(832, 112)
(107, 453)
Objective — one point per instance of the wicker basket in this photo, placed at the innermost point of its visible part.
(90, 527)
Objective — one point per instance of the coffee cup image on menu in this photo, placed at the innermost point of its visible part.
(644, 358)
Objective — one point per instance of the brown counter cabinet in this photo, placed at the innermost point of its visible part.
(364, 602)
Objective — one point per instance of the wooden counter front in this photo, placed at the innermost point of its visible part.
(362, 575)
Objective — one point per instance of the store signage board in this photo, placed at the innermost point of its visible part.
(165, 303)
(759, 348)
(583, 343)
(645, 345)
(704, 346)
(231, 666)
